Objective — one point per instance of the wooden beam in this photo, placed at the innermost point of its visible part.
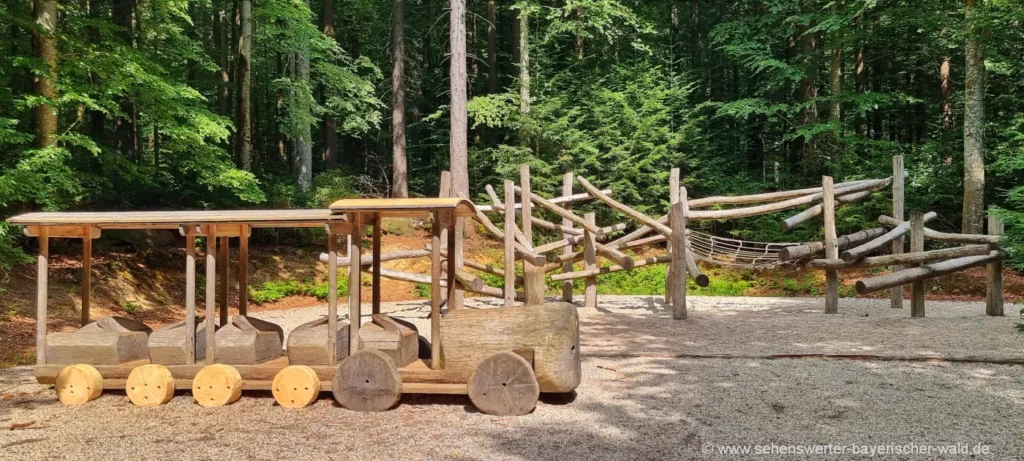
(931, 234)
(243, 270)
(872, 246)
(452, 270)
(211, 293)
(533, 274)
(563, 200)
(67, 231)
(435, 291)
(673, 199)
(42, 293)
(332, 299)
(677, 218)
(86, 274)
(567, 180)
(901, 258)
(910, 275)
(624, 209)
(560, 212)
(705, 202)
(355, 285)
(376, 260)
(597, 271)
(737, 213)
(814, 211)
(190, 294)
(828, 202)
(367, 260)
(808, 250)
(896, 297)
(994, 281)
(590, 263)
(222, 265)
(510, 225)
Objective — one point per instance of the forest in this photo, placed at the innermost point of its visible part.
(192, 104)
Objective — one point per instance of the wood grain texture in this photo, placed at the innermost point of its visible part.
(828, 202)
(737, 213)
(917, 246)
(86, 275)
(168, 344)
(211, 291)
(190, 297)
(550, 330)
(994, 281)
(217, 385)
(246, 341)
(906, 276)
(78, 384)
(902, 258)
(367, 381)
(355, 282)
(435, 291)
(504, 385)
(107, 341)
(150, 386)
(172, 219)
(567, 180)
(673, 198)
(677, 219)
(878, 243)
(896, 295)
(310, 343)
(222, 278)
(243, 271)
(42, 294)
(509, 291)
(330, 323)
(404, 207)
(811, 249)
(296, 386)
(704, 202)
(396, 338)
(590, 264)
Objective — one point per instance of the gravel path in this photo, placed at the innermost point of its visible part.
(626, 408)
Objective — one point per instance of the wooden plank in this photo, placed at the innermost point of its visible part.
(375, 309)
(66, 231)
(172, 219)
(190, 295)
(452, 272)
(917, 246)
(211, 293)
(86, 275)
(896, 296)
(332, 299)
(435, 291)
(677, 219)
(828, 202)
(243, 271)
(355, 285)
(994, 281)
(567, 180)
(222, 265)
(435, 388)
(673, 198)
(510, 225)
(590, 263)
(42, 293)
(404, 207)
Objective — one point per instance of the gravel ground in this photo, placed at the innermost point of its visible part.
(626, 408)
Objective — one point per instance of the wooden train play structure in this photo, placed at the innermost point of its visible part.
(502, 358)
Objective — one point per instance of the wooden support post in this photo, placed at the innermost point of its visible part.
(190, 293)
(445, 191)
(435, 291)
(673, 199)
(533, 275)
(458, 293)
(332, 297)
(677, 221)
(243, 271)
(86, 273)
(916, 246)
(222, 261)
(590, 262)
(452, 271)
(828, 201)
(524, 184)
(42, 292)
(510, 261)
(376, 264)
(567, 180)
(355, 275)
(994, 287)
(897, 212)
(211, 293)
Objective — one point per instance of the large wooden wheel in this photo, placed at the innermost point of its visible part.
(150, 385)
(217, 385)
(77, 384)
(296, 386)
(504, 384)
(367, 381)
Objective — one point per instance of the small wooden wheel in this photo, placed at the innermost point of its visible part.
(504, 384)
(296, 386)
(367, 381)
(217, 385)
(150, 385)
(77, 384)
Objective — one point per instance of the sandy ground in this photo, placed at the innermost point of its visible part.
(628, 407)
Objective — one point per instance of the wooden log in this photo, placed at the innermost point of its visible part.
(167, 344)
(563, 200)
(673, 199)
(355, 281)
(296, 386)
(243, 270)
(550, 330)
(533, 274)
(469, 281)
(994, 281)
(567, 288)
(504, 384)
(692, 269)
(872, 246)
(190, 295)
(932, 234)
(311, 344)
(613, 254)
(86, 274)
(831, 245)
(560, 212)
(367, 381)
(498, 206)
(596, 271)
(107, 341)
(896, 297)
(376, 261)
(367, 260)
(42, 293)
(396, 338)
(590, 263)
(217, 385)
(331, 352)
(211, 293)
(677, 217)
(247, 341)
(222, 276)
(705, 202)
(490, 269)
(636, 234)
(624, 209)
(807, 250)
(812, 212)
(150, 386)
(78, 384)
(644, 242)
(510, 225)
(737, 213)
(435, 291)
(925, 272)
(901, 258)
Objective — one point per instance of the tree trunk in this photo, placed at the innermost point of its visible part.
(400, 170)
(330, 124)
(862, 84)
(809, 92)
(303, 155)
(974, 128)
(243, 92)
(492, 48)
(524, 62)
(944, 90)
(44, 13)
(97, 119)
(124, 126)
(220, 38)
(579, 38)
(459, 118)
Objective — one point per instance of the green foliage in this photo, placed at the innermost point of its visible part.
(271, 291)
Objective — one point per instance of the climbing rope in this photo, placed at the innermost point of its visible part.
(725, 251)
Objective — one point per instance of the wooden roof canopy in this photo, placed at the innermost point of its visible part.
(404, 207)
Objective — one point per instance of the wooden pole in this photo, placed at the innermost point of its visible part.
(332, 297)
(912, 274)
(533, 275)
(452, 270)
(916, 246)
(673, 199)
(828, 202)
(355, 273)
(190, 293)
(435, 290)
(589, 263)
(376, 264)
(567, 180)
(510, 261)
(86, 273)
(808, 250)
(211, 293)
(677, 221)
(444, 191)
(896, 301)
(42, 292)
(243, 271)
(994, 287)
(527, 220)
(902, 258)
(222, 261)
(458, 293)
(867, 248)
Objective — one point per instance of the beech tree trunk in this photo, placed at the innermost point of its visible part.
(459, 144)
(809, 92)
(492, 47)
(400, 170)
(243, 93)
(220, 38)
(974, 128)
(944, 89)
(330, 124)
(44, 13)
(524, 62)
(124, 125)
(303, 147)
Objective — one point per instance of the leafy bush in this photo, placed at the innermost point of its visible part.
(275, 290)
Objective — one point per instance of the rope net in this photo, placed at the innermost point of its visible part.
(725, 251)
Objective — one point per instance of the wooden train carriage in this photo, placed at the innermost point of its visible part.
(501, 358)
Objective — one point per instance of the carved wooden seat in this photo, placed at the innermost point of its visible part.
(107, 341)
(307, 343)
(167, 344)
(247, 341)
(397, 339)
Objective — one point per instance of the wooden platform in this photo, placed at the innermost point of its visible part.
(417, 377)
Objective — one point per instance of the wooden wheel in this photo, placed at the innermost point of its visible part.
(77, 384)
(504, 384)
(367, 381)
(217, 385)
(296, 386)
(150, 385)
